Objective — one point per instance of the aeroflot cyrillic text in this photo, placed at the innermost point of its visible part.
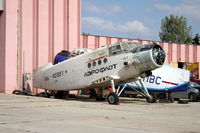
(100, 70)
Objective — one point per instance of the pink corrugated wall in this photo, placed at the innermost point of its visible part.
(2, 51)
(35, 31)
(175, 52)
(12, 44)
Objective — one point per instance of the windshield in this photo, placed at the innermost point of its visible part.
(192, 84)
(121, 47)
(127, 46)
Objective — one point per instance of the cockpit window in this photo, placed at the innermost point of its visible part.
(121, 47)
(125, 46)
(133, 44)
(116, 49)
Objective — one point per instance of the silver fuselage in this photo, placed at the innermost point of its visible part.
(94, 69)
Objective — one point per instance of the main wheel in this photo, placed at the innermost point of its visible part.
(152, 99)
(61, 95)
(193, 97)
(113, 98)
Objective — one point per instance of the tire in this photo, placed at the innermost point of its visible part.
(183, 101)
(152, 99)
(27, 93)
(192, 97)
(18, 92)
(61, 95)
(113, 98)
(44, 94)
(58, 96)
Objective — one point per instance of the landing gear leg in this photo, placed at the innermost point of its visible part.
(152, 98)
(112, 85)
(99, 96)
(113, 97)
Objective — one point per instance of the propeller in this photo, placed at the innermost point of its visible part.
(159, 55)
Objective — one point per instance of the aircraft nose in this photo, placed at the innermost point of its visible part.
(148, 57)
(158, 55)
(153, 52)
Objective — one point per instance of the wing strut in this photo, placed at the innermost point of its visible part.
(113, 97)
(142, 89)
(121, 89)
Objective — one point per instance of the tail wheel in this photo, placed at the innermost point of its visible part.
(152, 99)
(113, 98)
(44, 94)
(193, 97)
(18, 92)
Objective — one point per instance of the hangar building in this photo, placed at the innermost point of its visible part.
(33, 31)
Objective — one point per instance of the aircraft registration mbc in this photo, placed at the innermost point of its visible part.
(110, 65)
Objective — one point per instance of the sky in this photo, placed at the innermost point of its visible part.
(137, 19)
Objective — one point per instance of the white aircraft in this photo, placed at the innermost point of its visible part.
(106, 66)
(161, 83)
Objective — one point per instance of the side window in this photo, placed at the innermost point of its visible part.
(99, 62)
(105, 60)
(94, 63)
(89, 65)
(118, 47)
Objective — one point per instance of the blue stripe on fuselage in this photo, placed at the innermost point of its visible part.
(180, 87)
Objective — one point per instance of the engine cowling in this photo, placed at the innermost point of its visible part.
(148, 57)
